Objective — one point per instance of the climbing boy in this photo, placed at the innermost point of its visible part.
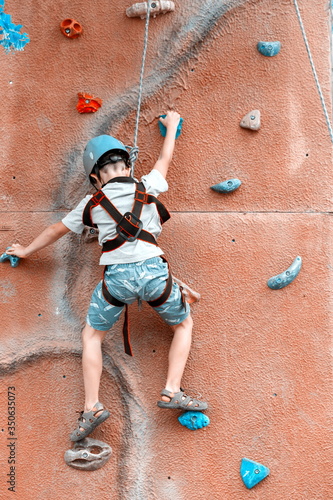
(128, 216)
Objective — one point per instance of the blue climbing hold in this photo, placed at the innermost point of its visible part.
(252, 472)
(269, 49)
(285, 278)
(10, 36)
(163, 128)
(227, 186)
(194, 420)
(14, 261)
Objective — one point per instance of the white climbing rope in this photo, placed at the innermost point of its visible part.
(314, 70)
(135, 150)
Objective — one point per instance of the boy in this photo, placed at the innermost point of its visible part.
(134, 267)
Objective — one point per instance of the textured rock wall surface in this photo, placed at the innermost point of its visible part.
(262, 358)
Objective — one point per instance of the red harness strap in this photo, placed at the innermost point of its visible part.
(126, 331)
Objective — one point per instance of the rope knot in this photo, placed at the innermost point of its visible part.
(133, 154)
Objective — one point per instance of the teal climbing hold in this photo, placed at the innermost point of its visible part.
(194, 420)
(269, 49)
(227, 186)
(14, 261)
(252, 472)
(283, 279)
(163, 128)
(11, 37)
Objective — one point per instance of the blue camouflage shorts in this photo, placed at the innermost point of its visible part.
(143, 280)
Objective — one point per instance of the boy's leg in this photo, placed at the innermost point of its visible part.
(178, 354)
(92, 364)
(101, 317)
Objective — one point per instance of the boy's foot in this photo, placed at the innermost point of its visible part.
(190, 295)
(180, 401)
(89, 420)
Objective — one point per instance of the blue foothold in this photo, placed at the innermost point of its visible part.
(14, 261)
(269, 49)
(285, 278)
(194, 420)
(163, 128)
(252, 472)
(227, 186)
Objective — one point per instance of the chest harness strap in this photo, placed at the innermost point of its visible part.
(129, 228)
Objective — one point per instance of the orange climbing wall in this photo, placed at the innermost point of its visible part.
(261, 358)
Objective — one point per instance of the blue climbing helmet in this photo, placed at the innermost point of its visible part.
(98, 147)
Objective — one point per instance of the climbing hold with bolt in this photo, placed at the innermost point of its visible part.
(283, 279)
(194, 420)
(88, 454)
(269, 49)
(156, 7)
(252, 472)
(71, 28)
(251, 120)
(226, 186)
(14, 261)
(89, 234)
(88, 103)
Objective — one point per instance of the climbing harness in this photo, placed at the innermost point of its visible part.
(129, 228)
(313, 69)
(134, 151)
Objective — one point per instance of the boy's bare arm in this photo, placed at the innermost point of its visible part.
(171, 123)
(49, 235)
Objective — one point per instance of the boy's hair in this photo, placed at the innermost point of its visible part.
(110, 158)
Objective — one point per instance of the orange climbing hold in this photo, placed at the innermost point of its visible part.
(88, 103)
(71, 28)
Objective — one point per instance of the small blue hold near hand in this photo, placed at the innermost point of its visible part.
(14, 261)
(163, 129)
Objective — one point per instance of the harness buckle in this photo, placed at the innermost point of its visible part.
(141, 196)
(128, 225)
(98, 197)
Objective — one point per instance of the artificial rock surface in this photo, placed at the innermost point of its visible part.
(261, 358)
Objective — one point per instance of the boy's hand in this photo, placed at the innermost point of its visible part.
(171, 120)
(17, 250)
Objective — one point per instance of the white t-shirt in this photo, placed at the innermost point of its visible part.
(122, 196)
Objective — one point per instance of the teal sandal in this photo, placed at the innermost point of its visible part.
(88, 421)
(181, 401)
